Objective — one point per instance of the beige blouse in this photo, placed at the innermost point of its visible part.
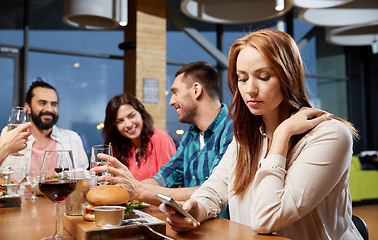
(305, 196)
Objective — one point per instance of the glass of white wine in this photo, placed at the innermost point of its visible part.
(17, 116)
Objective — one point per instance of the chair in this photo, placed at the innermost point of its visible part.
(361, 226)
(362, 183)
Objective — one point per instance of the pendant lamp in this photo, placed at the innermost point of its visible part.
(236, 11)
(95, 14)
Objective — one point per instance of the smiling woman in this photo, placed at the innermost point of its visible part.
(129, 127)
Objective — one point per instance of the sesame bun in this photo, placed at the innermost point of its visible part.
(105, 195)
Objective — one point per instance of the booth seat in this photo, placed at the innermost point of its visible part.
(363, 184)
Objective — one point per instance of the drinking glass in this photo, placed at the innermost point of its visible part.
(95, 161)
(33, 179)
(104, 148)
(17, 116)
(57, 181)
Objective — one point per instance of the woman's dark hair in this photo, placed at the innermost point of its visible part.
(122, 145)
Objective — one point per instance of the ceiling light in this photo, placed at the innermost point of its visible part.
(319, 3)
(233, 12)
(280, 5)
(122, 16)
(354, 35)
(355, 12)
(95, 14)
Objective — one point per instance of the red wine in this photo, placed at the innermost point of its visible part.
(57, 190)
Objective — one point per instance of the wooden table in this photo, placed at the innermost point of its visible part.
(35, 219)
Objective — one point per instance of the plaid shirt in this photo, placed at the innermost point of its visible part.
(190, 166)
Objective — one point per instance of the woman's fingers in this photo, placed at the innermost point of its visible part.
(114, 162)
(182, 226)
(318, 119)
(119, 177)
(110, 179)
(23, 127)
(316, 116)
(178, 222)
(104, 168)
(4, 130)
(304, 120)
(188, 205)
(313, 113)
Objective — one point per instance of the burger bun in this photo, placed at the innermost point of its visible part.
(106, 195)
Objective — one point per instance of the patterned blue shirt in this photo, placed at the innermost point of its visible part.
(191, 166)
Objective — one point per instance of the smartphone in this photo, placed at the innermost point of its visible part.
(173, 204)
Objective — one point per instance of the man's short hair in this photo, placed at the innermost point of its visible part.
(37, 83)
(203, 73)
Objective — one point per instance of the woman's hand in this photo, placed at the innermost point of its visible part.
(180, 223)
(300, 122)
(15, 140)
(121, 175)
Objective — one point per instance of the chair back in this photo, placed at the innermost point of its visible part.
(361, 226)
(356, 164)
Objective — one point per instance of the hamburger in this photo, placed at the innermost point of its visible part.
(106, 195)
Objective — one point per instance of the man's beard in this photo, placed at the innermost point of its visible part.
(37, 120)
(190, 112)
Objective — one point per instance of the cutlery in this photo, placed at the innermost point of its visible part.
(144, 224)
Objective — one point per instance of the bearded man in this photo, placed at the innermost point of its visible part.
(42, 104)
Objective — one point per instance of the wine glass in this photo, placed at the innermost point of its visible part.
(17, 116)
(33, 179)
(57, 181)
(104, 148)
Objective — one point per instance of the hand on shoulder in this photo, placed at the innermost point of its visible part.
(303, 120)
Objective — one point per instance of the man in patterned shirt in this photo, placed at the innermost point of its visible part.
(195, 95)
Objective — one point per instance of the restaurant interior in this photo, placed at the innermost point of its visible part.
(91, 50)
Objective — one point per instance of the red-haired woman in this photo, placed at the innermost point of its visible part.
(286, 172)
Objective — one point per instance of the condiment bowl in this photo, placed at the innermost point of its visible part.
(11, 188)
(109, 215)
